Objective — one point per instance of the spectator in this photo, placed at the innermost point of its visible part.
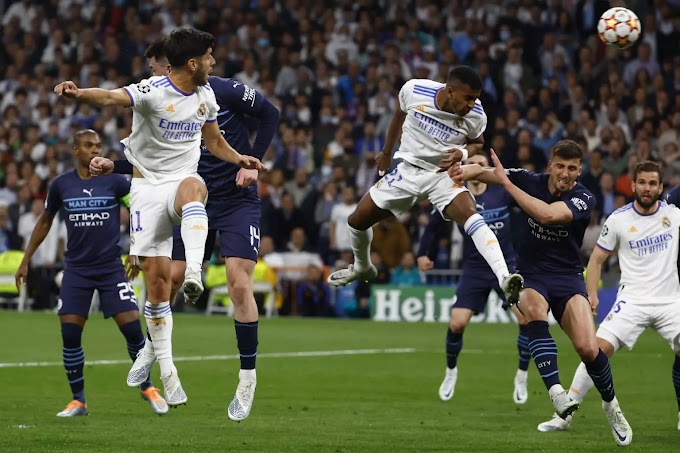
(391, 240)
(314, 294)
(286, 218)
(407, 273)
(334, 73)
(339, 230)
(9, 238)
(46, 261)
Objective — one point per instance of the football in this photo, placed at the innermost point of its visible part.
(619, 27)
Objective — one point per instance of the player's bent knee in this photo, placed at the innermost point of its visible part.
(461, 208)
(587, 351)
(191, 189)
(534, 313)
(457, 327)
(355, 221)
(240, 290)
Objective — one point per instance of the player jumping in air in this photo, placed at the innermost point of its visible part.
(436, 122)
(170, 116)
(233, 210)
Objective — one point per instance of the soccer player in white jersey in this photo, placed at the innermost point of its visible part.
(645, 232)
(440, 124)
(169, 117)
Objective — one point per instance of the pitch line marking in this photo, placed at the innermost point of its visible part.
(272, 355)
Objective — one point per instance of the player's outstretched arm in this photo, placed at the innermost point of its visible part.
(546, 213)
(472, 172)
(383, 160)
(593, 274)
(218, 146)
(97, 97)
(42, 228)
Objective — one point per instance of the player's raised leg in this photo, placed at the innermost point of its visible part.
(190, 205)
(577, 324)
(460, 318)
(463, 211)
(74, 361)
(360, 222)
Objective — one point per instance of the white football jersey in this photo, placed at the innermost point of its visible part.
(648, 253)
(166, 128)
(429, 133)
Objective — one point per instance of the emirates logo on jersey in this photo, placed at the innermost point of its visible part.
(201, 110)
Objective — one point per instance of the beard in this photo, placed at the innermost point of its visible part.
(643, 203)
(200, 77)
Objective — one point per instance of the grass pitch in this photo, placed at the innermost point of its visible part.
(372, 400)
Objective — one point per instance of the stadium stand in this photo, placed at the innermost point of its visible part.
(333, 69)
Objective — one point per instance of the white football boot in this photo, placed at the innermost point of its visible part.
(448, 386)
(344, 277)
(242, 403)
(520, 395)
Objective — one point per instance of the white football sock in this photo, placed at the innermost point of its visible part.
(159, 322)
(581, 384)
(487, 244)
(194, 232)
(361, 246)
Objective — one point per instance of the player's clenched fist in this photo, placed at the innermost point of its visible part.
(383, 161)
(100, 166)
(67, 89)
(425, 263)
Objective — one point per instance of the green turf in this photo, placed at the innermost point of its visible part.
(361, 403)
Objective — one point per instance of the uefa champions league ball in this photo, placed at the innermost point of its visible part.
(619, 27)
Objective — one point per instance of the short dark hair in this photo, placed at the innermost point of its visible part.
(567, 149)
(156, 49)
(647, 166)
(465, 75)
(79, 135)
(184, 44)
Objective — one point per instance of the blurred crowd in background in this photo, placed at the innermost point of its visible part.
(334, 70)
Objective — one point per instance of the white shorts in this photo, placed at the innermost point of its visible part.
(152, 215)
(406, 185)
(626, 321)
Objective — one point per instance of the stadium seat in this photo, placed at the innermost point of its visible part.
(216, 282)
(9, 263)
